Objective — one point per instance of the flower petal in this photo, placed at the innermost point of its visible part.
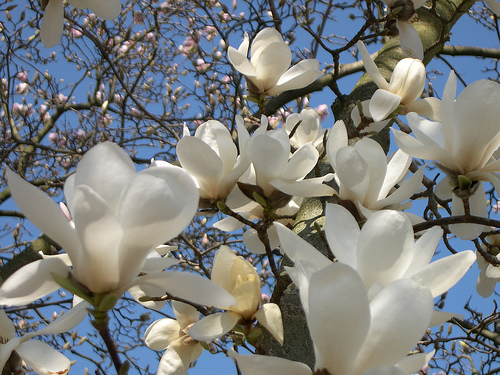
(214, 326)
(31, 282)
(478, 207)
(424, 250)
(301, 162)
(427, 107)
(337, 139)
(105, 9)
(37, 206)
(337, 298)
(442, 274)
(342, 232)
(402, 306)
(162, 333)
(263, 364)
(185, 314)
(52, 24)
(42, 358)
(300, 75)
(383, 103)
(371, 68)
(269, 316)
(410, 41)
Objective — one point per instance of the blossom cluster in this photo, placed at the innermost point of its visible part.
(367, 302)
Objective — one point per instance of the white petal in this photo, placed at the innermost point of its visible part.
(52, 24)
(189, 286)
(413, 363)
(270, 63)
(339, 317)
(42, 358)
(138, 291)
(411, 44)
(260, 364)
(408, 80)
(342, 232)
(6, 326)
(176, 360)
(383, 103)
(352, 171)
(439, 317)
(162, 333)
(300, 75)
(31, 282)
(401, 313)
(214, 326)
(371, 68)
(404, 191)
(252, 242)
(107, 169)
(385, 247)
(185, 314)
(65, 322)
(427, 107)
(494, 6)
(38, 207)
(310, 187)
(269, 316)
(105, 9)
(424, 250)
(301, 162)
(337, 139)
(442, 274)
(240, 62)
(385, 370)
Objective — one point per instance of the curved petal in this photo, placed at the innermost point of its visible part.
(176, 360)
(371, 68)
(415, 362)
(252, 242)
(494, 6)
(385, 247)
(31, 282)
(339, 317)
(201, 162)
(162, 333)
(188, 286)
(410, 41)
(263, 364)
(6, 327)
(383, 103)
(301, 162)
(107, 169)
(401, 313)
(386, 370)
(52, 24)
(139, 291)
(100, 232)
(337, 139)
(38, 207)
(269, 316)
(65, 322)
(442, 274)
(185, 314)
(300, 75)
(157, 205)
(424, 250)
(427, 107)
(240, 62)
(342, 232)
(403, 192)
(214, 326)
(397, 168)
(352, 171)
(270, 63)
(408, 80)
(42, 358)
(310, 187)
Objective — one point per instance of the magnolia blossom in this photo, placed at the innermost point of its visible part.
(463, 145)
(405, 88)
(38, 355)
(172, 335)
(410, 41)
(308, 131)
(382, 252)
(53, 18)
(351, 334)
(267, 72)
(212, 159)
(373, 126)
(238, 277)
(119, 218)
(489, 274)
(366, 176)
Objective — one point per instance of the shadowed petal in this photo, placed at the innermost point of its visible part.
(263, 364)
(52, 24)
(269, 315)
(342, 232)
(410, 41)
(383, 103)
(214, 326)
(42, 358)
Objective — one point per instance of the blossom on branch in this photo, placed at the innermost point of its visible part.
(304, 127)
(53, 17)
(119, 218)
(462, 145)
(403, 92)
(268, 71)
(238, 277)
(172, 335)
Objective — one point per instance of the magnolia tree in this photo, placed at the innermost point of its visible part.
(172, 174)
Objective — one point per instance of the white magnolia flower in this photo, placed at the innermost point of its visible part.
(374, 126)
(53, 17)
(267, 72)
(410, 41)
(212, 159)
(366, 176)
(351, 334)
(382, 252)
(463, 144)
(172, 335)
(240, 278)
(308, 131)
(405, 88)
(119, 218)
(489, 275)
(38, 355)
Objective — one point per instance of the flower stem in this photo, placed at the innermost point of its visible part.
(101, 323)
